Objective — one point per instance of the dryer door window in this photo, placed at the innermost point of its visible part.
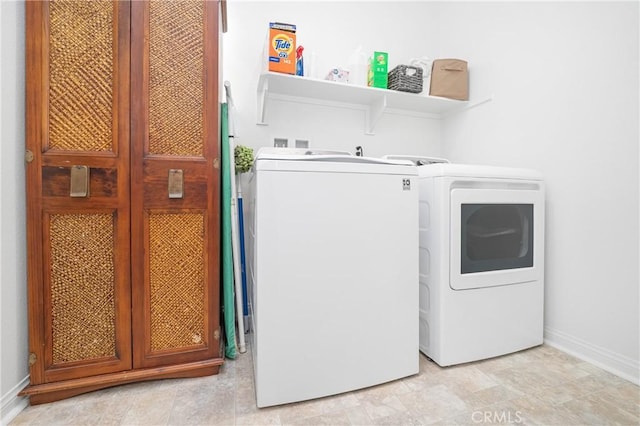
(496, 237)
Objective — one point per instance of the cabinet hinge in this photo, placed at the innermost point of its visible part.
(216, 164)
(216, 334)
(28, 156)
(32, 359)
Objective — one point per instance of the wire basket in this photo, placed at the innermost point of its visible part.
(406, 78)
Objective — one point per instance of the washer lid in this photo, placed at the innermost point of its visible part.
(294, 159)
(418, 160)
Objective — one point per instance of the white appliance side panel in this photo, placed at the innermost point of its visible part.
(250, 258)
(434, 242)
(336, 283)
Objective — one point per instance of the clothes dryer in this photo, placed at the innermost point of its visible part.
(481, 260)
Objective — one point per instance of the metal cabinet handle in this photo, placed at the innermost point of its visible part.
(79, 187)
(176, 183)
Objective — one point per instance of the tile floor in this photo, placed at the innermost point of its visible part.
(537, 386)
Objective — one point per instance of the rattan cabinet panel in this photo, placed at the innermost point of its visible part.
(81, 75)
(81, 265)
(123, 268)
(176, 65)
(176, 260)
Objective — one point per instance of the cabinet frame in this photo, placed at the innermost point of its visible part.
(49, 382)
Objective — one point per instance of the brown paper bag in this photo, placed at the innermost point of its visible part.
(450, 79)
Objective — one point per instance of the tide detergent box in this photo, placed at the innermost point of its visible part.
(282, 48)
(378, 69)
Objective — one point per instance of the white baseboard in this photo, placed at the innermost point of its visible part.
(620, 365)
(11, 404)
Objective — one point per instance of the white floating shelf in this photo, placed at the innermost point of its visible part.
(375, 101)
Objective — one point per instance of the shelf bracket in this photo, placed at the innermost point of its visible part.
(373, 114)
(470, 105)
(263, 89)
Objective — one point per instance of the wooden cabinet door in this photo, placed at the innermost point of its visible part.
(78, 233)
(175, 182)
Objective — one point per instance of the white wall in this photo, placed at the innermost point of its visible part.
(13, 294)
(331, 30)
(564, 81)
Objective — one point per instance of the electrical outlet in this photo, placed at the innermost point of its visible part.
(302, 143)
(281, 142)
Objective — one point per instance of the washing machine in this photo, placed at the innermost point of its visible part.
(481, 260)
(332, 273)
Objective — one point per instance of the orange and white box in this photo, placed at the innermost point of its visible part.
(282, 48)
